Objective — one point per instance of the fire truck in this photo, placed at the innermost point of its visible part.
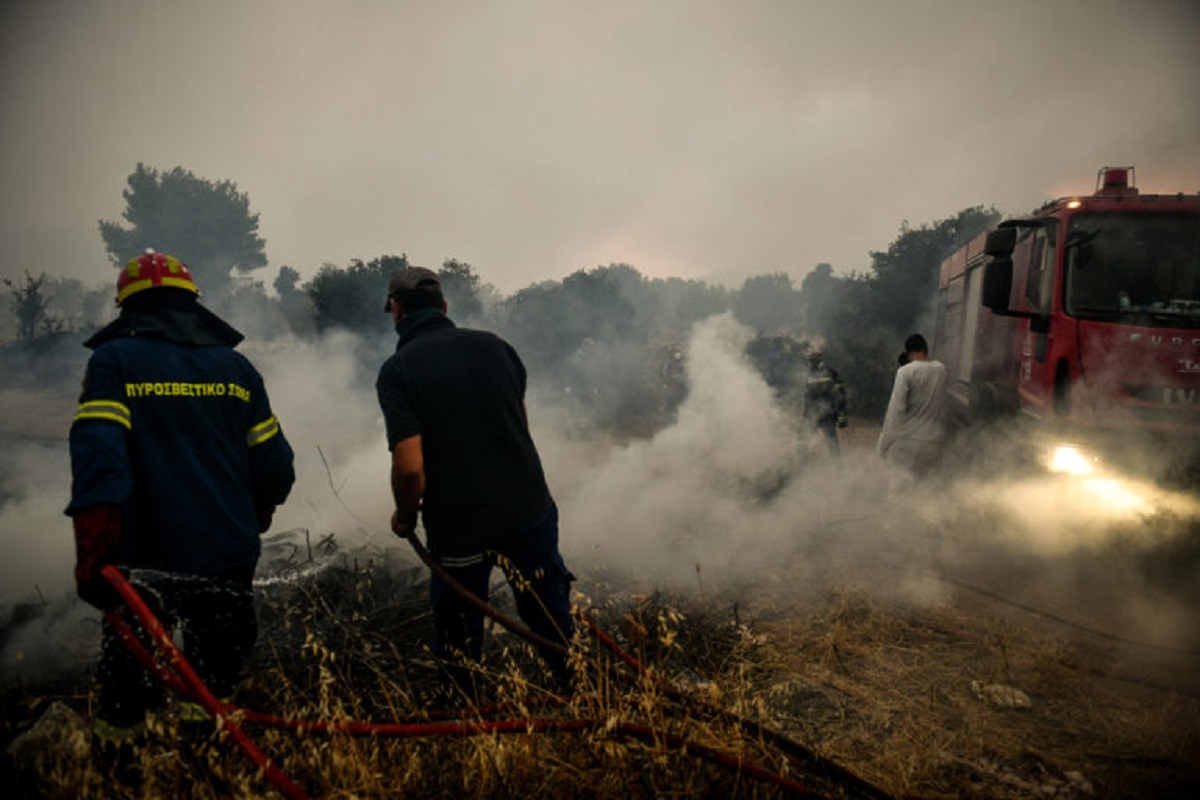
(1081, 322)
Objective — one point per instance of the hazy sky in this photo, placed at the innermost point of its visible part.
(532, 139)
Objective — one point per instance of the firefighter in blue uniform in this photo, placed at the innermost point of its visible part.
(177, 466)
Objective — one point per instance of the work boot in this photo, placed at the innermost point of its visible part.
(196, 725)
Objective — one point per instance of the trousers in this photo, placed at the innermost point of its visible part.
(541, 586)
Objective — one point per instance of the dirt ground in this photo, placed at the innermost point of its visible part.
(975, 697)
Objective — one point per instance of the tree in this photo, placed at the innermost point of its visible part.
(29, 305)
(206, 224)
(767, 303)
(286, 281)
(353, 298)
(77, 307)
(297, 307)
(906, 274)
(816, 299)
(664, 310)
(461, 288)
(547, 322)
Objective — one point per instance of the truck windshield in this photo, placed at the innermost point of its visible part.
(1139, 268)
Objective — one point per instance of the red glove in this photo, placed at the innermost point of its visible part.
(97, 533)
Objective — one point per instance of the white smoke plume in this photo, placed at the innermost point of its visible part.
(654, 503)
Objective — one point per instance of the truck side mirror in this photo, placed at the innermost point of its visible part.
(997, 283)
(1000, 242)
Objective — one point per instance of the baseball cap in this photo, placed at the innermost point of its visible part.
(411, 279)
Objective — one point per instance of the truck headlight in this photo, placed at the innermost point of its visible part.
(1071, 460)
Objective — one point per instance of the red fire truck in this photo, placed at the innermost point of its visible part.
(1084, 318)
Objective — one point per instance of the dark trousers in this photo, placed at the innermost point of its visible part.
(215, 616)
(827, 427)
(541, 585)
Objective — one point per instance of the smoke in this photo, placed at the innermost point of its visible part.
(35, 537)
(729, 490)
(42, 627)
(323, 395)
(653, 502)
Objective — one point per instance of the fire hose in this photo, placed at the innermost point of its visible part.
(178, 675)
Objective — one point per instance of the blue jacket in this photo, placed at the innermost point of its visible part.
(175, 427)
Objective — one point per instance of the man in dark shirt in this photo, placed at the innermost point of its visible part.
(453, 404)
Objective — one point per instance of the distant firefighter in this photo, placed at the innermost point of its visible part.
(824, 400)
(178, 464)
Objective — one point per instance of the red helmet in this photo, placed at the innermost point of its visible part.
(150, 270)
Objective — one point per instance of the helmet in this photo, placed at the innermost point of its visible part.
(151, 270)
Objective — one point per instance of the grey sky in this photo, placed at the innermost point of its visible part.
(532, 139)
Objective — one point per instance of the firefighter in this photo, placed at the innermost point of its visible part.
(177, 466)
(453, 403)
(824, 400)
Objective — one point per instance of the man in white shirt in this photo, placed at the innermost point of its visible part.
(914, 428)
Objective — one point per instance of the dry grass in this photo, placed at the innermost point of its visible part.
(887, 689)
(346, 643)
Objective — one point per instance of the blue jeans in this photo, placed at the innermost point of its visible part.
(541, 585)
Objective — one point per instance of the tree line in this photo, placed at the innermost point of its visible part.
(608, 337)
